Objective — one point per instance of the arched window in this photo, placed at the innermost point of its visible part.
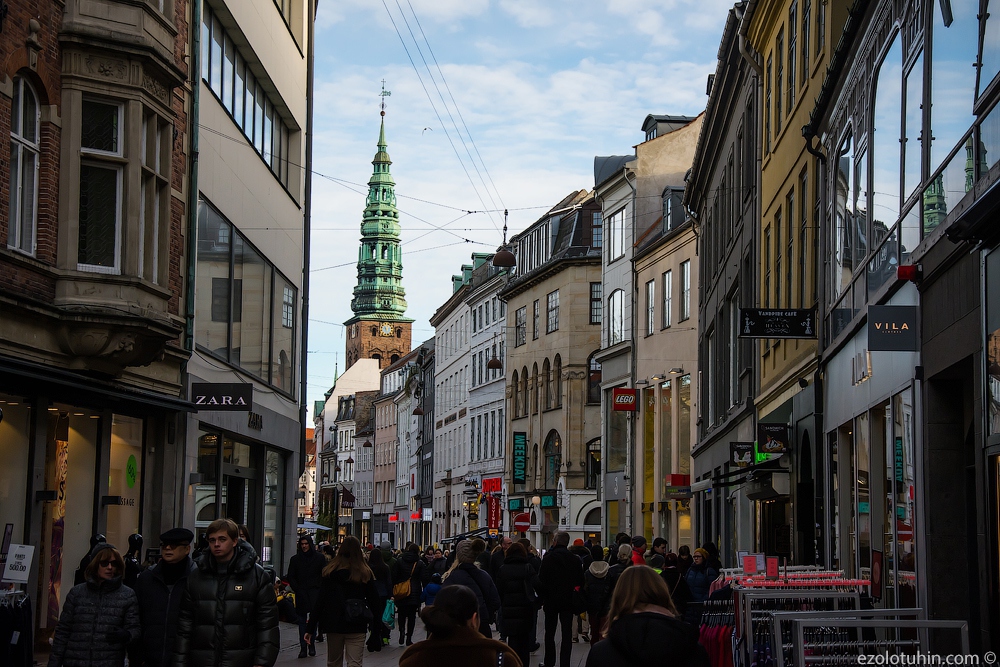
(515, 397)
(616, 317)
(394, 358)
(524, 391)
(553, 459)
(593, 517)
(593, 464)
(593, 380)
(535, 386)
(557, 381)
(546, 386)
(24, 146)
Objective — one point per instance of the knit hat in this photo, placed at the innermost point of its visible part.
(599, 568)
(638, 541)
(656, 562)
(701, 552)
(624, 552)
(578, 542)
(465, 552)
(385, 545)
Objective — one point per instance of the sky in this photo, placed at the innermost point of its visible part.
(513, 100)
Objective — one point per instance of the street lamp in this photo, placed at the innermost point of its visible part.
(504, 258)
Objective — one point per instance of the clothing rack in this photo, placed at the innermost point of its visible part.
(827, 637)
(715, 631)
(16, 629)
(811, 648)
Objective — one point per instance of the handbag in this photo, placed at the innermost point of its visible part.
(356, 611)
(401, 591)
(389, 615)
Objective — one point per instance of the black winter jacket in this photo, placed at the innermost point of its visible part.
(515, 579)
(159, 607)
(305, 572)
(598, 591)
(334, 592)
(648, 638)
(561, 572)
(482, 585)
(404, 569)
(91, 612)
(229, 615)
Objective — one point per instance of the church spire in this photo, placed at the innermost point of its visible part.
(379, 293)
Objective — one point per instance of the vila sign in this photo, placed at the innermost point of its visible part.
(764, 323)
(623, 400)
(520, 457)
(236, 396)
(892, 328)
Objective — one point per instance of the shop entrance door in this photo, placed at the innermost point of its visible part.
(239, 499)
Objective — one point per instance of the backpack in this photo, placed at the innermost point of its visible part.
(401, 591)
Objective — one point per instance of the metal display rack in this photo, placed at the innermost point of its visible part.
(810, 647)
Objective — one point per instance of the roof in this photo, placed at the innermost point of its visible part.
(672, 122)
(607, 166)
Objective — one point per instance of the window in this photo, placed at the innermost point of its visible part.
(666, 317)
(807, 268)
(767, 267)
(596, 302)
(685, 289)
(553, 459)
(534, 320)
(99, 246)
(767, 109)
(546, 385)
(790, 240)
(516, 396)
(779, 71)
(734, 346)
(793, 24)
(596, 231)
(650, 307)
(952, 49)
(552, 311)
(991, 46)
(616, 235)
(616, 317)
(228, 76)
(557, 381)
(673, 210)
(886, 136)
(520, 326)
(249, 321)
(157, 136)
(593, 463)
(777, 258)
(806, 9)
(25, 131)
(535, 389)
(820, 26)
(593, 380)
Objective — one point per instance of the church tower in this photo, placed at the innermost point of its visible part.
(379, 329)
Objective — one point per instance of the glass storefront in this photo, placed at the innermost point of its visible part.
(125, 480)
(15, 429)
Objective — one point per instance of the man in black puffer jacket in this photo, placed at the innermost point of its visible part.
(160, 590)
(229, 615)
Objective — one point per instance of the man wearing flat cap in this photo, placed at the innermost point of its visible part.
(160, 589)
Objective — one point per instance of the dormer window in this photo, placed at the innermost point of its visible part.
(651, 133)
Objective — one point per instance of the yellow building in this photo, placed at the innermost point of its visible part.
(793, 41)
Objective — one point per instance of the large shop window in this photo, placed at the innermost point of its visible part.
(125, 478)
(15, 428)
(244, 482)
(617, 436)
(229, 76)
(245, 312)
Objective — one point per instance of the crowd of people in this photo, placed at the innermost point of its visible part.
(479, 603)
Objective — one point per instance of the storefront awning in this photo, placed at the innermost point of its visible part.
(479, 532)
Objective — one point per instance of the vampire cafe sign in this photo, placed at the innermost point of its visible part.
(892, 328)
(236, 396)
(765, 323)
(623, 400)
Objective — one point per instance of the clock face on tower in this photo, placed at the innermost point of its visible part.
(385, 329)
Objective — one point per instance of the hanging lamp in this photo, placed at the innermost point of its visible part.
(504, 258)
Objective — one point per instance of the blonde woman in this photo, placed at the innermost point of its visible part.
(644, 626)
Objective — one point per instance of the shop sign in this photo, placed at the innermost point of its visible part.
(772, 439)
(428, 514)
(415, 516)
(18, 565)
(899, 459)
(493, 513)
(520, 457)
(515, 504)
(765, 323)
(255, 421)
(347, 499)
(393, 518)
(741, 454)
(492, 484)
(235, 396)
(548, 499)
(892, 328)
(623, 399)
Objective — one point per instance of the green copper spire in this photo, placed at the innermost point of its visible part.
(379, 294)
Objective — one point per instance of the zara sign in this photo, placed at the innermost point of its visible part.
(235, 396)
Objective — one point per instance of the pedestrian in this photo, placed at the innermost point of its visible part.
(620, 539)
(684, 560)
(383, 586)
(659, 547)
(465, 573)
(406, 577)
(159, 591)
(431, 590)
(561, 573)
(229, 615)
(656, 561)
(622, 562)
(581, 626)
(700, 576)
(517, 585)
(644, 627)
(438, 564)
(638, 550)
(598, 587)
(387, 555)
(712, 560)
(536, 563)
(99, 618)
(305, 573)
(345, 608)
(677, 583)
(497, 556)
(451, 624)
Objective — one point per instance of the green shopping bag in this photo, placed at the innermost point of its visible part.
(389, 615)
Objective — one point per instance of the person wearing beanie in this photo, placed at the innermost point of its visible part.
(620, 539)
(638, 550)
(465, 573)
(700, 576)
(598, 587)
(159, 590)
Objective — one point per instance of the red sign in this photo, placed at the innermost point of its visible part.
(522, 522)
(393, 518)
(416, 516)
(492, 512)
(492, 484)
(623, 400)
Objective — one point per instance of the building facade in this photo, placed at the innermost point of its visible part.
(553, 409)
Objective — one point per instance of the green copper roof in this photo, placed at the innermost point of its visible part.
(379, 293)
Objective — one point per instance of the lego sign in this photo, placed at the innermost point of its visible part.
(623, 400)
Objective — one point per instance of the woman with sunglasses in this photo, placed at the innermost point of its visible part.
(99, 618)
